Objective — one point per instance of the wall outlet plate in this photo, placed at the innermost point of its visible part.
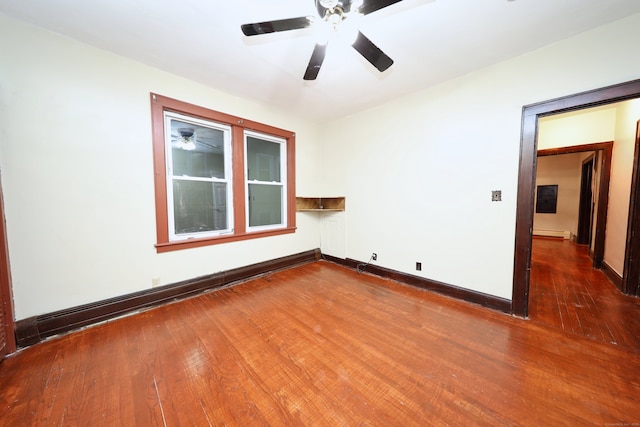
(496, 196)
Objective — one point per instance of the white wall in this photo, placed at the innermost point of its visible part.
(578, 128)
(76, 162)
(620, 185)
(563, 171)
(418, 172)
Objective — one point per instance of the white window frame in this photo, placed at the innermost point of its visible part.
(282, 184)
(228, 176)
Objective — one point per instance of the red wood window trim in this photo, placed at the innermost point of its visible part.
(160, 104)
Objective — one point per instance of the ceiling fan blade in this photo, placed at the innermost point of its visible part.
(373, 5)
(372, 53)
(315, 62)
(275, 26)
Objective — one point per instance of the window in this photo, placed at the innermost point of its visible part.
(266, 173)
(219, 178)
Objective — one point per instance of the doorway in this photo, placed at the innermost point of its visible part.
(526, 186)
(604, 152)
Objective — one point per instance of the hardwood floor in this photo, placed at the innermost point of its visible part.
(321, 345)
(567, 293)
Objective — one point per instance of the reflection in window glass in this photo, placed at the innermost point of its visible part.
(199, 206)
(197, 150)
(263, 160)
(198, 153)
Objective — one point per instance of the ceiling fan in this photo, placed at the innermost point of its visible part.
(332, 14)
(187, 139)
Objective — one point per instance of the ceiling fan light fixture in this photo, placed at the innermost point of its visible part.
(186, 139)
(188, 145)
(334, 16)
(338, 25)
(329, 4)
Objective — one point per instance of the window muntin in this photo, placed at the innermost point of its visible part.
(266, 171)
(199, 172)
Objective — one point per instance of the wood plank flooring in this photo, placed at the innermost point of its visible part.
(567, 293)
(321, 345)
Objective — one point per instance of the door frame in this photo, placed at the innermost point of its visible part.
(6, 297)
(526, 177)
(631, 270)
(586, 203)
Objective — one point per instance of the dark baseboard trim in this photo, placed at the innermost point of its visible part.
(485, 300)
(615, 278)
(35, 329)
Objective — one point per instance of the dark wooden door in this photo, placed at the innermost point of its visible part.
(7, 337)
(585, 214)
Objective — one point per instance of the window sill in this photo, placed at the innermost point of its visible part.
(320, 210)
(208, 241)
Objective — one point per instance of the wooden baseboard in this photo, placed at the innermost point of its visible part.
(611, 274)
(485, 300)
(35, 329)
(562, 234)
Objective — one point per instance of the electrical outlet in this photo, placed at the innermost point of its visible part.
(418, 266)
(374, 256)
(155, 282)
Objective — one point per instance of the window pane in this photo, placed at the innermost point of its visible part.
(263, 160)
(199, 206)
(196, 150)
(265, 204)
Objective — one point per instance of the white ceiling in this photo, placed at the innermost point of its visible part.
(430, 41)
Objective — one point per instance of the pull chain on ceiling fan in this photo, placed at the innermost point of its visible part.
(332, 13)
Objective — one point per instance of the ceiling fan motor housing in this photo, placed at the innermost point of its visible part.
(328, 5)
(186, 132)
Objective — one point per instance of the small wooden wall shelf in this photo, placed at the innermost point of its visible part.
(320, 204)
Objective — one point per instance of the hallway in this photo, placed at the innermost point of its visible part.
(567, 293)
